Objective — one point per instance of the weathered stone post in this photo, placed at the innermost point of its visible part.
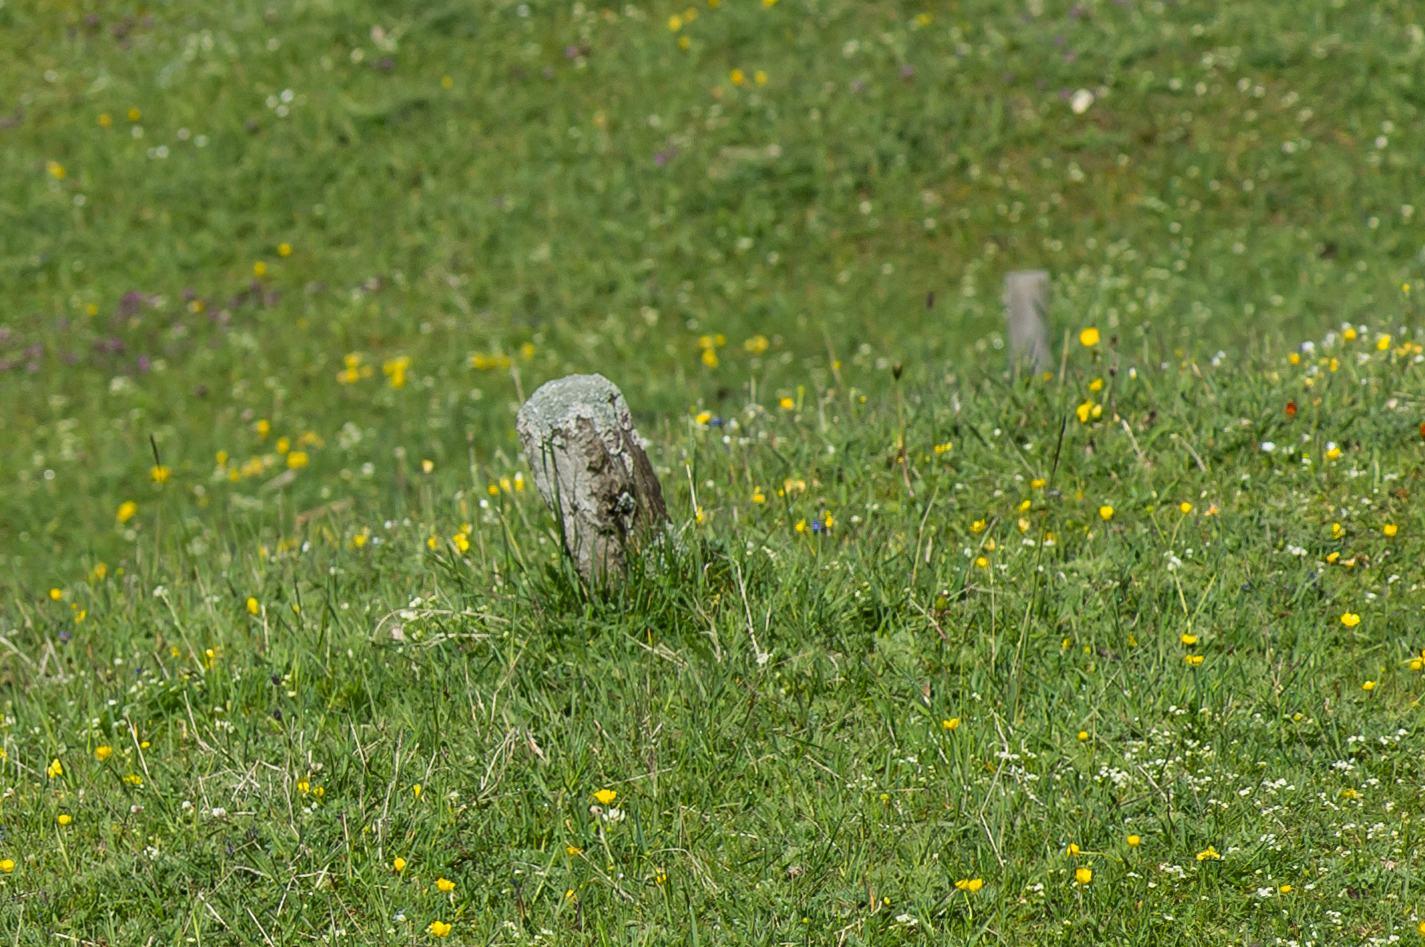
(1026, 301)
(589, 465)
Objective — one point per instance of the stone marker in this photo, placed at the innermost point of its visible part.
(589, 465)
(1026, 300)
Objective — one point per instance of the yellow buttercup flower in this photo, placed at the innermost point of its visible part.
(1208, 854)
(952, 724)
(606, 796)
(127, 509)
(7, 865)
(1350, 619)
(1390, 529)
(160, 473)
(55, 769)
(1133, 841)
(1185, 507)
(1105, 513)
(1189, 639)
(1193, 660)
(445, 885)
(1083, 875)
(102, 753)
(970, 884)
(1083, 735)
(252, 606)
(439, 929)
(978, 526)
(1096, 385)
(399, 864)
(65, 818)
(1368, 686)
(1089, 337)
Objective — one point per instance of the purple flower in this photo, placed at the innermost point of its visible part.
(1066, 94)
(571, 52)
(144, 363)
(907, 71)
(858, 86)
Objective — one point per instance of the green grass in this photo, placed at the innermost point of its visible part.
(278, 654)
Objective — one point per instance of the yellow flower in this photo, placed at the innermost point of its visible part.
(303, 785)
(135, 115)
(1416, 664)
(737, 77)
(1072, 850)
(284, 249)
(1368, 686)
(710, 358)
(1193, 660)
(399, 864)
(55, 595)
(395, 370)
(1083, 735)
(1383, 343)
(982, 562)
(1185, 507)
(978, 526)
(703, 417)
(417, 790)
(439, 929)
(758, 496)
(759, 76)
(461, 543)
(102, 753)
(1133, 841)
(160, 473)
(1084, 411)
(1335, 364)
(252, 606)
(133, 779)
(1333, 454)
(55, 169)
(1350, 794)
(105, 120)
(1349, 335)
(1207, 854)
(127, 509)
(55, 769)
(1189, 639)
(7, 865)
(786, 404)
(606, 796)
(259, 268)
(970, 884)
(1390, 529)
(445, 885)
(65, 818)
(684, 42)
(572, 850)
(952, 724)
(1083, 875)
(756, 345)
(1350, 619)
(1096, 385)
(675, 23)
(1294, 358)
(1285, 889)
(296, 458)
(1105, 513)
(283, 445)
(1089, 337)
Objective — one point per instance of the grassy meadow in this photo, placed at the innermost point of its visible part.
(1124, 652)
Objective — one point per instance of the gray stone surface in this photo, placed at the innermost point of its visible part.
(589, 465)
(1026, 301)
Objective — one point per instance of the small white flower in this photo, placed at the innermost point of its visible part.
(1081, 100)
(1268, 446)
